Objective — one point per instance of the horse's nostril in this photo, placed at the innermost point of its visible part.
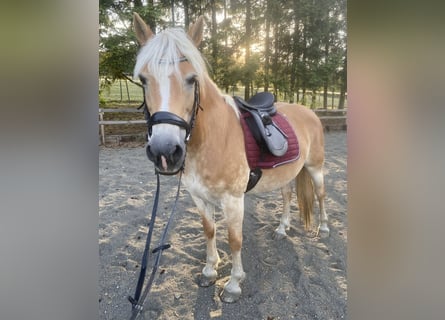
(149, 152)
(178, 152)
(167, 155)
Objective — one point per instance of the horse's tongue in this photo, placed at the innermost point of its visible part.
(164, 163)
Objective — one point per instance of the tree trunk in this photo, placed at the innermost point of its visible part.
(267, 48)
(214, 40)
(326, 75)
(325, 94)
(275, 58)
(295, 52)
(226, 37)
(314, 97)
(150, 21)
(248, 35)
(297, 88)
(172, 5)
(186, 14)
(344, 83)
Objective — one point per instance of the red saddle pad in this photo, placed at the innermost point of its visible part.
(266, 160)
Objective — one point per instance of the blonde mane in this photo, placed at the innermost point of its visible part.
(231, 102)
(162, 54)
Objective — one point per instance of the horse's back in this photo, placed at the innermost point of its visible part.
(306, 123)
(301, 117)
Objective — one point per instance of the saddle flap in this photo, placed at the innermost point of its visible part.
(275, 139)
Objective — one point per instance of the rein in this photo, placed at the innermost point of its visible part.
(137, 301)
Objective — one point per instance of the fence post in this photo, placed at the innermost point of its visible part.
(102, 127)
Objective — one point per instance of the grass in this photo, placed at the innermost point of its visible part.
(124, 93)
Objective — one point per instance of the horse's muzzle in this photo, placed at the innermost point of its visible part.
(166, 154)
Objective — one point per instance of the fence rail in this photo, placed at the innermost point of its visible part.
(103, 122)
(332, 119)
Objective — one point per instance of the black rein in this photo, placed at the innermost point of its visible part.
(137, 301)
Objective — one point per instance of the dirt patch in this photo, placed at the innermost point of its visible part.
(299, 277)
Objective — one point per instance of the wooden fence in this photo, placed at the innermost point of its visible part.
(332, 119)
(103, 123)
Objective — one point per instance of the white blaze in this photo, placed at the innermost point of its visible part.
(164, 88)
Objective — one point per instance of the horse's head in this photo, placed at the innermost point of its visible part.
(170, 68)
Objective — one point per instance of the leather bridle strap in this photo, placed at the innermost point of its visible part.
(167, 117)
(138, 301)
(171, 118)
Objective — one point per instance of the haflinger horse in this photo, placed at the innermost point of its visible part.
(195, 128)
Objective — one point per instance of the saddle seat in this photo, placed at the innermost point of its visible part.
(261, 107)
(261, 102)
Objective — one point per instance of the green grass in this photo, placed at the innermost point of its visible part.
(118, 95)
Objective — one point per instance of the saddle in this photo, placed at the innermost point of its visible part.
(266, 133)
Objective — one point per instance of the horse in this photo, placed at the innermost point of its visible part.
(195, 128)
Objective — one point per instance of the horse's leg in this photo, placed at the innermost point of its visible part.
(318, 179)
(207, 212)
(280, 232)
(233, 208)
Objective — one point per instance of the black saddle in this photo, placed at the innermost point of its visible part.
(266, 133)
(261, 102)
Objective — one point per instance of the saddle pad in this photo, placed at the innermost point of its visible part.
(258, 158)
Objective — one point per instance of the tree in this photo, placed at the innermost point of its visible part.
(343, 84)
(117, 44)
(291, 46)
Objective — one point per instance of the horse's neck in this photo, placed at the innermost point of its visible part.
(214, 122)
(212, 119)
(216, 149)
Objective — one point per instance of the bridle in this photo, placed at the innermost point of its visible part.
(171, 118)
(157, 118)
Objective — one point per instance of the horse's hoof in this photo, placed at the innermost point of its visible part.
(206, 282)
(277, 235)
(230, 296)
(232, 289)
(280, 232)
(323, 231)
(208, 277)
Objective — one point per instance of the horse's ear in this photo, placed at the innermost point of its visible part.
(143, 32)
(195, 31)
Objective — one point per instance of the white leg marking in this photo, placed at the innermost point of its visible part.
(318, 179)
(209, 272)
(280, 232)
(232, 289)
(234, 211)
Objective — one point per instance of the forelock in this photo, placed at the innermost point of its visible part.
(162, 53)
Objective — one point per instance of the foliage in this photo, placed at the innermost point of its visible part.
(293, 44)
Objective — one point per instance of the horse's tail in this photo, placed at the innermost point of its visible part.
(305, 196)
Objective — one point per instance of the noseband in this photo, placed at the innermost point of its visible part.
(166, 117)
(171, 118)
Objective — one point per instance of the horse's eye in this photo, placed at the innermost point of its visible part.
(143, 80)
(190, 80)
